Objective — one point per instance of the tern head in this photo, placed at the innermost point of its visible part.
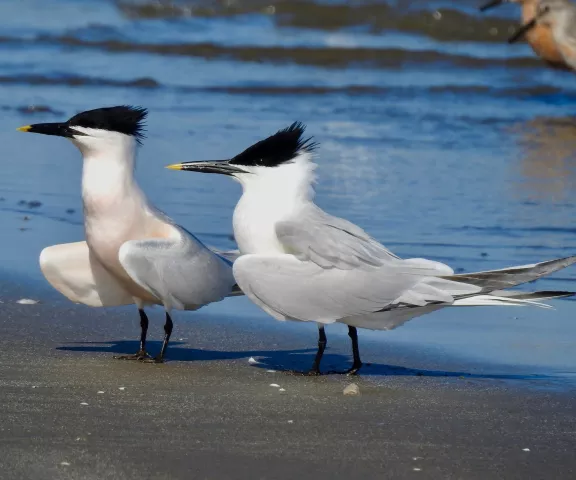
(275, 155)
(99, 128)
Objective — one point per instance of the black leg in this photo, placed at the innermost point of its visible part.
(315, 370)
(357, 365)
(140, 354)
(143, 330)
(168, 327)
(322, 341)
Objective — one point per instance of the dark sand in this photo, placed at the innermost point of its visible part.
(210, 414)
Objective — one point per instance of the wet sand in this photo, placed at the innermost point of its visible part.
(209, 414)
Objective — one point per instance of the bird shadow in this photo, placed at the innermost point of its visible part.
(335, 362)
(176, 353)
(285, 360)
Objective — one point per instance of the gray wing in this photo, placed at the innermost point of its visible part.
(230, 255)
(289, 288)
(181, 271)
(335, 270)
(331, 241)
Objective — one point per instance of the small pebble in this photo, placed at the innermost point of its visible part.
(282, 390)
(271, 371)
(34, 386)
(275, 385)
(290, 421)
(65, 464)
(352, 389)
(121, 388)
(100, 392)
(252, 361)
(27, 301)
(525, 449)
(417, 469)
(83, 403)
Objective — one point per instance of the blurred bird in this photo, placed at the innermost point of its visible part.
(133, 253)
(301, 263)
(559, 16)
(539, 37)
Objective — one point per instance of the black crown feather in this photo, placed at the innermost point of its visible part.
(280, 148)
(124, 119)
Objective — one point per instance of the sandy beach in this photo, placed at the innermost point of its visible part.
(436, 137)
(71, 411)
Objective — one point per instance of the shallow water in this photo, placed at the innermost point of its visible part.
(436, 136)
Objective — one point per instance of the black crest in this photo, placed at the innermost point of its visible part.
(123, 119)
(280, 148)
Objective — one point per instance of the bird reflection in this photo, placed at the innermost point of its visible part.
(548, 157)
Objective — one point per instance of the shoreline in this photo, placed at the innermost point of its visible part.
(208, 413)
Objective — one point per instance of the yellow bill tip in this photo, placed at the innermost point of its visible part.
(175, 166)
(26, 128)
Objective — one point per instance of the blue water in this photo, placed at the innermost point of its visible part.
(436, 137)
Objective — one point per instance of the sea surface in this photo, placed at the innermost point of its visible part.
(436, 136)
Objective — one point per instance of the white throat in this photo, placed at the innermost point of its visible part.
(270, 195)
(108, 170)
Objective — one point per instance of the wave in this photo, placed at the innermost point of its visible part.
(325, 57)
(72, 80)
(520, 92)
(77, 81)
(445, 24)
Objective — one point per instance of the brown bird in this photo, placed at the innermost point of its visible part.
(539, 35)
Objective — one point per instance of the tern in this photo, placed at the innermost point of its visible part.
(133, 253)
(301, 263)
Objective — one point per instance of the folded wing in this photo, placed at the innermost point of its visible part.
(180, 270)
(72, 270)
(331, 242)
(333, 270)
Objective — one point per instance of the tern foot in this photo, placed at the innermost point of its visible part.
(353, 370)
(139, 355)
(308, 373)
(156, 359)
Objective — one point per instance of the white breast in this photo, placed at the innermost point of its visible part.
(254, 226)
(115, 211)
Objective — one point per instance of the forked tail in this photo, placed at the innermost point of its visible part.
(512, 299)
(493, 282)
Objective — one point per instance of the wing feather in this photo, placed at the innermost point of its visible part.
(72, 270)
(331, 242)
(181, 270)
(288, 288)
